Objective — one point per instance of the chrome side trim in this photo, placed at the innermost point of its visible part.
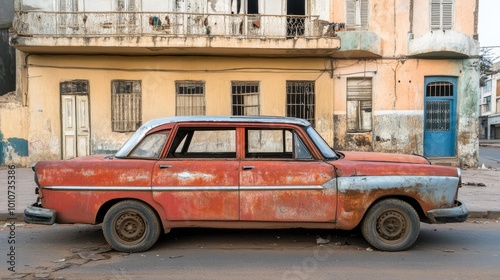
(181, 188)
(97, 188)
(268, 188)
(199, 188)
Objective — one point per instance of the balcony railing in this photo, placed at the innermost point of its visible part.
(88, 24)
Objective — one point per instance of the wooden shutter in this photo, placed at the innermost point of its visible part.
(441, 14)
(447, 15)
(364, 13)
(350, 12)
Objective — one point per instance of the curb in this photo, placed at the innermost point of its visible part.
(492, 215)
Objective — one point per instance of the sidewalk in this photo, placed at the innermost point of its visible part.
(489, 143)
(480, 192)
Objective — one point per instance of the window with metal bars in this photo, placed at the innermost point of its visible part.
(245, 98)
(359, 104)
(74, 87)
(126, 105)
(190, 98)
(439, 89)
(300, 100)
(437, 115)
(357, 14)
(441, 14)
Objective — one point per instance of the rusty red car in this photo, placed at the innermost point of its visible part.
(244, 172)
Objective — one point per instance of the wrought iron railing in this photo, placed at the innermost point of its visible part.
(81, 24)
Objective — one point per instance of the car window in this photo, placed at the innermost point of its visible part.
(275, 143)
(321, 144)
(204, 143)
(150, 146)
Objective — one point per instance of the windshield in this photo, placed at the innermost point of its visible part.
(321, 144)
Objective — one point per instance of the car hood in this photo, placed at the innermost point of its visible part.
(384, 157)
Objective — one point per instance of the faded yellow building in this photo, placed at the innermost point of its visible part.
(398, 76)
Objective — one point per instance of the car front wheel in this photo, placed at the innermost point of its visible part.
(391, 225)
(131, 226)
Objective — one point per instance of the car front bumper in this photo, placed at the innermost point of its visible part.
(456, 214)
(35, 214)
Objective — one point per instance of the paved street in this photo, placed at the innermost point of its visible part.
(490, 156)
(456, 251)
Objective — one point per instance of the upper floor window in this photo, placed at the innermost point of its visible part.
(245, 96)
(441, 14)
(487, 87)
(356, 14)
(300, 100)
(252, 7)
(126, 105)
(190, 98)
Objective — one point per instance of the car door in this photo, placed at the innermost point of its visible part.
(197, 179)
(280, 180)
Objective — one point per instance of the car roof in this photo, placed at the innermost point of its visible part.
(257, 119)
(146, 127)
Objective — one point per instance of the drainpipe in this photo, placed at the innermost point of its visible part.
(25, 95)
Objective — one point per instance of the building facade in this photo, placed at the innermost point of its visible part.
(489, 106)
(369, 75)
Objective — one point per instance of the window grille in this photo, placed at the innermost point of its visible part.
(245, 98)
(126, 105)
(359, 104)
(300, 100)
(439, 89)
(437, 115)
(74, 87)
(190, 98)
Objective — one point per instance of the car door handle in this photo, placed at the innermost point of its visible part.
(248, 167)
(165, 166)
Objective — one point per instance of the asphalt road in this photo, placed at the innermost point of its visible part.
(469, 250)
(489, 156)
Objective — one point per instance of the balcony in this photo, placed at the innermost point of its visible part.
(443, 44)
(359, 44)
(171, 33)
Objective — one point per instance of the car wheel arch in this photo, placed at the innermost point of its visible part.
(108, 204)
(410, 200)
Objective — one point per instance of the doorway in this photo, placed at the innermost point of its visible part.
(75, 119)
(440, 117)
(295, 20)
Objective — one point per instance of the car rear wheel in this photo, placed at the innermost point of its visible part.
(131, 226)
(391, 225)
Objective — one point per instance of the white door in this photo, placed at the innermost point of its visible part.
(75, 126)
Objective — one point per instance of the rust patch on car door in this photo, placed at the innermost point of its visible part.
(287, 191)
(197, 189)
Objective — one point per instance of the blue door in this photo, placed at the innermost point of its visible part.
(440, 117)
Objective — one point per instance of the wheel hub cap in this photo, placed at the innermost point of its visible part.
(391, 225)
(130, 227)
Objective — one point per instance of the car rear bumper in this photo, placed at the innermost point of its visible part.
(35, 214)
(456, 214)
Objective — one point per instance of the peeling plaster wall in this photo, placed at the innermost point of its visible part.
(398, 132)
(468, 113)
(158, 76)
(398, 105)
(13, 131)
